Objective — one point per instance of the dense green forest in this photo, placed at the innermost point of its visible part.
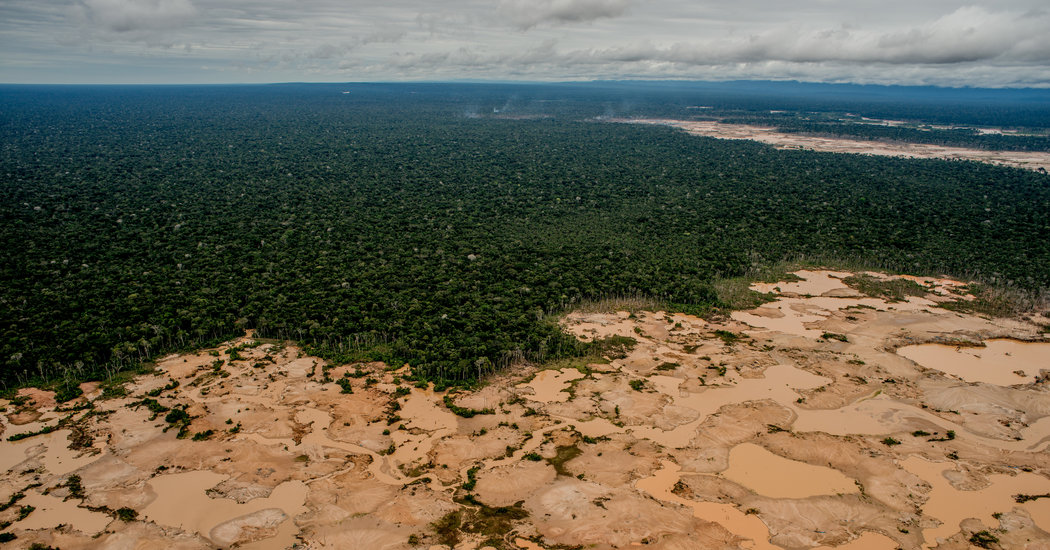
(432, 224)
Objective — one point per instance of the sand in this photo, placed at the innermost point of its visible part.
(1029, 160)
(781, 439)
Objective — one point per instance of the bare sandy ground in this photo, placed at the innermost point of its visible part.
(1030, 160)
(796, 425)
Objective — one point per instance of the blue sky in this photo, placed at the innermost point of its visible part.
(939, 42)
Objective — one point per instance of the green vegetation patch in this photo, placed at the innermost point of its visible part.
(729, 337)
(891, 290)
(983, 539)
(24, 435)
(564, 454)
(411, 234)
(464, 411)
(126, 514)
(612, 347)
(1022, 498)
(993, 301)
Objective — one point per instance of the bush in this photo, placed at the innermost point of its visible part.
(984, 539)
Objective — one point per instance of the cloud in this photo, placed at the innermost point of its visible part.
(134, 15)
(965, 36)
(968, 46)
(526, 14)
(968, 35)
(330, 50)
(885, 41)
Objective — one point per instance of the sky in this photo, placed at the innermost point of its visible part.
(1002, 43)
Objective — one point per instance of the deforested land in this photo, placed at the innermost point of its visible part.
(491, 315)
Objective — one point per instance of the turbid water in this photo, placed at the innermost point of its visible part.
(775, 476)
(182, 502)
(999, 361)
(779, 383)
(51, 511)
(728, 516)
(51, 449)
(951, 505)
(690, 440)
(548, 386)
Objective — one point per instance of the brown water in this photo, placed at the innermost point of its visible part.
(547, 386)
(318, 435)
(951, 506)
(51, 511)
(775, 476)
(779, 384)
(597, 427)
(816, 283)
(792, 315)
(726, 515)
(57, 457)
(872, 416)
(422, 410)
(786, 315)
(881, 414)
(993, 364)
(527, 544)
(183, 503)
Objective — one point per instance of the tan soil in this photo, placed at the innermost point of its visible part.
(773, 441)
(1030, 160)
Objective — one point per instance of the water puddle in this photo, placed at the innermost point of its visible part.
(786, 315)
(874, 416)
(881, 415)
(318, 436)
(816, 283)
(422, 410)
(597, 427)
(951, 506)
(547, 386)
(726, 515)
(779, 384)
(791, 315)
(993, 364)
(57, 457)
(51, 511)
(527, 544)
(182, 502)
(777, 477)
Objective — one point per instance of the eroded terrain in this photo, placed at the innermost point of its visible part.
(1030, 160)
(812, 421)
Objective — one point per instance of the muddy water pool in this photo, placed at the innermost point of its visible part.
(997, 362)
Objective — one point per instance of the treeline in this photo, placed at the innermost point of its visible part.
(956, 137)
(839, 125)
(396, 223)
